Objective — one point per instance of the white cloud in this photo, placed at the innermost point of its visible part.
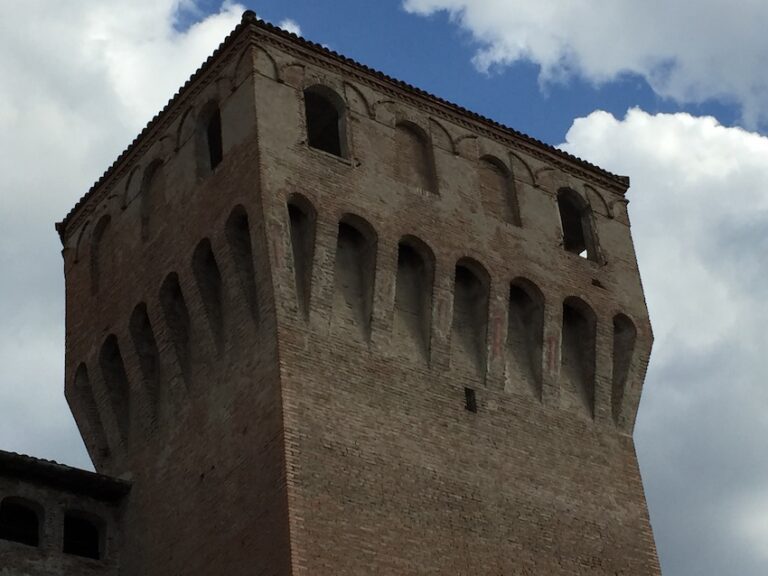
(290, 26)
(699, 211)
(82, 78)
(689, 50)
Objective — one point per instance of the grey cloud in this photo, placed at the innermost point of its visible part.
(86, 76)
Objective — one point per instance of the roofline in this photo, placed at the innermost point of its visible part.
(618, 183)
(57, 475)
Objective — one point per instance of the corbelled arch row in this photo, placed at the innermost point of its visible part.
(128, 385)
(556, 349)
(136, 379)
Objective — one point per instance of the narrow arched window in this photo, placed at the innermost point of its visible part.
(208, 277)
(325, 118)
(576, 222)
(95, 439)
(177, 319)
(471, 296)
(354, 274)
(210, 144)
(82, 536)
(116, 381)
(577, 356)
(148, 353)
(152, 198)
(101, 253)
(497, 190)
(302, 217)
(624, 337)
(238, 232)
(414, 163)
(19, 522)
(413, 296)
(525, 333)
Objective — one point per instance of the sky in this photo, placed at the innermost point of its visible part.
(673, 94)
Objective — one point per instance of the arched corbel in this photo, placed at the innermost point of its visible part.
(132, 187)
(384, 112)
(467, 146)
(526, 174)
(597, 201)
(357, 101)
(542, 177)
(244, 67)
(265, 64)
(441, 137)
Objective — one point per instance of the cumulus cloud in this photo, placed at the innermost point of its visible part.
(700, 223)
(689, 50)
(82, 78)
(290, 26)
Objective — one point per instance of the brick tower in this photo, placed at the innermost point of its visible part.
(325, 323)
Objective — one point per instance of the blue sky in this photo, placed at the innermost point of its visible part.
(675, 95)
(434, 54)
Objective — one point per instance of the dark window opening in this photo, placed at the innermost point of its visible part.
(575, 218)
(470, 400)
(19, 523)
(323, 123)
(81, 537)
(213, 137)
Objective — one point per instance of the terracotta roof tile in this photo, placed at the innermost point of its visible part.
(61, 476)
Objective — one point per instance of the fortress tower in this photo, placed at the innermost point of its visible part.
(322, 323)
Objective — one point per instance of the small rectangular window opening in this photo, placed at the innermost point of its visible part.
(470, 402)
(213, 135)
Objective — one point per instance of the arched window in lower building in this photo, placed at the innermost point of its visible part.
(19, 522)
